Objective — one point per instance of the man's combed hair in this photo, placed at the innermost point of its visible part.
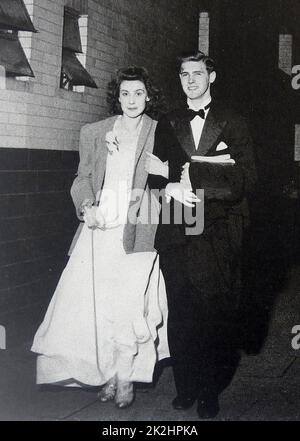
(154, 107)
(196, 56)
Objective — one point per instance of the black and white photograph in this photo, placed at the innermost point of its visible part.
(150, 213)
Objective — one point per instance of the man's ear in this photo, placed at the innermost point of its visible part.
(212, 77)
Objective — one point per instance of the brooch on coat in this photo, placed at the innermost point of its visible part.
(112, 142)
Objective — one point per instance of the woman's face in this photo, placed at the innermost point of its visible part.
(133, 96)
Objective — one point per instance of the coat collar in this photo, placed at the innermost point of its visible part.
(100, 149)
(147, 124)
(108, 126)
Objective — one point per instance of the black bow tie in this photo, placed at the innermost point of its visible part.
(192, 113)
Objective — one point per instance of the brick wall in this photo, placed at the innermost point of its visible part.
(39, 131)
(38, 114)
(36, 226)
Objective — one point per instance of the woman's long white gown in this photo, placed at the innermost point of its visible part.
(108, 313)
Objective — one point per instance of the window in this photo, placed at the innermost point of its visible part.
(297, 143)
(73, 73)
(285, 53)
(13, 18)
(203, 34)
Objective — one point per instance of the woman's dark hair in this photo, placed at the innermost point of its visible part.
(154, 107)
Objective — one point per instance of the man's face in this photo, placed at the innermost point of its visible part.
(195, 80)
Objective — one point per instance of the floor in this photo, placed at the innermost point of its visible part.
(265, 387)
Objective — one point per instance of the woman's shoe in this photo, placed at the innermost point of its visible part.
(124, 395)
(108, 391)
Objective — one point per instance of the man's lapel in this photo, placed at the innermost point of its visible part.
(212, 129)
(183, 131)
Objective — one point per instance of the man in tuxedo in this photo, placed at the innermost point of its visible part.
(202, 271)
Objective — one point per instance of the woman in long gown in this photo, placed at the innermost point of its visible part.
(106, 323)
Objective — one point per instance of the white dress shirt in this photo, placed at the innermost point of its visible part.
(197, 123)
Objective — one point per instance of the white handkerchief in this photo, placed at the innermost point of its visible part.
(221, 146)
(214, 159)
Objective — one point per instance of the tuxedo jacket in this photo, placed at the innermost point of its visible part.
(225, 186)
(90, 179)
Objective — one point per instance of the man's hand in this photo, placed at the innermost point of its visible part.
(181, 193)
(185, 176)
(154, 166)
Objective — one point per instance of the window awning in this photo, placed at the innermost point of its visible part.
(12, 56)
(74, 71)
(14, 16)
(71, 33)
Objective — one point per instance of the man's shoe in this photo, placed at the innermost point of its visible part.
(183, 403)
(208, 408)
